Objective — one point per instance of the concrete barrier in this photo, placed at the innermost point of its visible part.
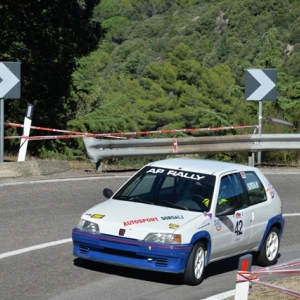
(32, 168)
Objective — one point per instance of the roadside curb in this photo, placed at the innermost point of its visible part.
(32, 168)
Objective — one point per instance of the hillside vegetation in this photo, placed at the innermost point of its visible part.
(181, 64)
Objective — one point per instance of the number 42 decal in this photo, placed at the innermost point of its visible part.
(238, 230)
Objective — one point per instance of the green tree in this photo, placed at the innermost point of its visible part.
(47, 37)
(116, 27)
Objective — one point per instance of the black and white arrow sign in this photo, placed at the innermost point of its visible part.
(10, 85)
(260, 84)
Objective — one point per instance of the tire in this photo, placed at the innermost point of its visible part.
(269, 252)
(194, 270)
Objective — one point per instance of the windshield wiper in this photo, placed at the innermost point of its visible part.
(170, 204)
(137, 199)
(133, 199)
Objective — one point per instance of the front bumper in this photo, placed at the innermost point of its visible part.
(129, 252)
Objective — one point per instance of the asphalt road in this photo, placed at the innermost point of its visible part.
(36, 260)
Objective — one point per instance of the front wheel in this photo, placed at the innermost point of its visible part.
(195, 266)
(268, 254)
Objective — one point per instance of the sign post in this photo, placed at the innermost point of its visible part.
(26, 131)
(10, 87)
(260, 84)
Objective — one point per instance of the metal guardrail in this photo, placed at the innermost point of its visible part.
(99, 149)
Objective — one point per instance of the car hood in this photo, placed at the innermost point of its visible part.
(137, 219)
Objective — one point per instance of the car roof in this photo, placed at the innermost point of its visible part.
(200, 165)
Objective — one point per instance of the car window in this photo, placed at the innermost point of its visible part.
(171, 188)
(139, 186)
(255, 188)
(169, 182)
(231, 193)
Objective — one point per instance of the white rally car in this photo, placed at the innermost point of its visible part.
(177, 215)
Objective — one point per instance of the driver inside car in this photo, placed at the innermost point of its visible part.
(189, 195)
(188, 189)
(222, 197)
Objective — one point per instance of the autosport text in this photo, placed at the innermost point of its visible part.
(140, 221)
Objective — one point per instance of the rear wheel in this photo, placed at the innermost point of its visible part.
(195, 266)
(268, 254)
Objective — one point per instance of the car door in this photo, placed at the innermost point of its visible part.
(231, 232)
(258, 205)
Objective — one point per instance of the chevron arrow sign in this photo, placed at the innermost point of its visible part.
(260, 84)
(10, 75)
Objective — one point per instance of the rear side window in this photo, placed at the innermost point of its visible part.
(255, 189)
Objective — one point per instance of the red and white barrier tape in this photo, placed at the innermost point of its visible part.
(243, 276)
(46, 137)
(279, 289)
(76, 134)
(274, 272)
(292, 263)
(252, 276)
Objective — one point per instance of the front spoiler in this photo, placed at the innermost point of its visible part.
(129, 252)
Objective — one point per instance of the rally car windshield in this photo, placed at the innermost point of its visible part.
(169, 188)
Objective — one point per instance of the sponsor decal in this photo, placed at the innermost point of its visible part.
(185, 175)
(173, 226)
(155, 171)
(218, 224)
(176, 173)
(243, 174)
(208, 214)
(203, 224)
(172, 217)
(121, 231)
(238, 230)
(140, 221)
(97, 216)
(271, 189)
(252, 185)
(238, 215)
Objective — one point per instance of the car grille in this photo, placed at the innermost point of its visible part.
(84, 250)
(159, 262)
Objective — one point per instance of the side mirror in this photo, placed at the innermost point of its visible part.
(107, 193)
(229, 210)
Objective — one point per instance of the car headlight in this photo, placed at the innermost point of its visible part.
(163, 238)
(88, 226)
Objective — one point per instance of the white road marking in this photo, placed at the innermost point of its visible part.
(291, 215)
(32, 248)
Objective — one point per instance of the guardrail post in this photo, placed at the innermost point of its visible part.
(99, 166)
(251, 159)
(242, 281)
